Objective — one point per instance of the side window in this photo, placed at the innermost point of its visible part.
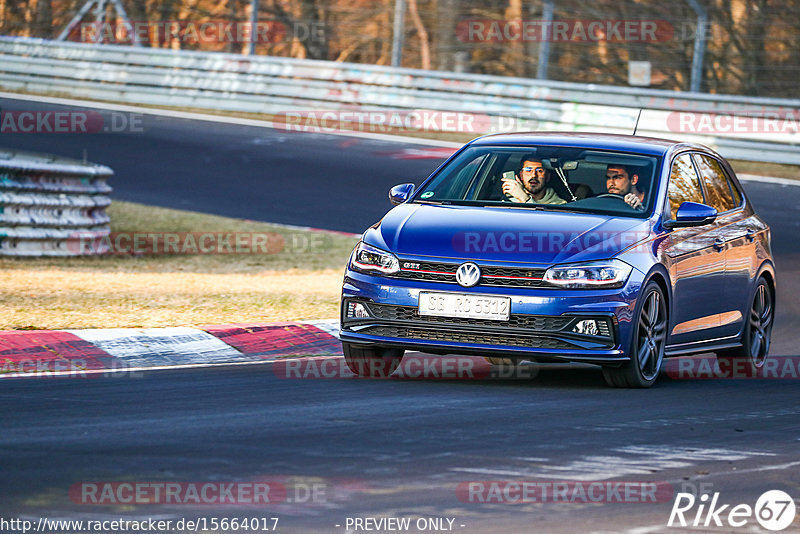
(684, 185)
(737, 196)
(718, 190)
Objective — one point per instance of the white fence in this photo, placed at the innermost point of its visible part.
(51, 207)
(757, 129)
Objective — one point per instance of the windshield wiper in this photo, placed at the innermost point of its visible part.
(562, 207)
(519, 206)
(464, 203)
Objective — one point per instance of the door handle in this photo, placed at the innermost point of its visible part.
(719, 243)
(751, 235)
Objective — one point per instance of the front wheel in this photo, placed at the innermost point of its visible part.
(755, 335)
(648, 340)
(374, 362)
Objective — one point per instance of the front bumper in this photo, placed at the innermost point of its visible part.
(541, 327)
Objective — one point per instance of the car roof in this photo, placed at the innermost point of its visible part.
(603, 141)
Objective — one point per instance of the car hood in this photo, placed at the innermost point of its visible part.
(504, 234)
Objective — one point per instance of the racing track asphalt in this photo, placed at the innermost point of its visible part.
(324, 181)
(387, 447)
(393, 447)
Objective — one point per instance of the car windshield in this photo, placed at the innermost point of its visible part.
(545, 177)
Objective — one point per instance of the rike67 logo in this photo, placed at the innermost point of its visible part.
(774, 510)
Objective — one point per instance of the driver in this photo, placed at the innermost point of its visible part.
(620, 180)
(531, 184)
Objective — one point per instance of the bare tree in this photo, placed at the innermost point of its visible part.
(514, 48)
(43, 21)
(445, 34)
(753, 45)
(422, 33)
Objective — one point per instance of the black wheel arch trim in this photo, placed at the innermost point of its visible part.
(659, 271)
(767, 266)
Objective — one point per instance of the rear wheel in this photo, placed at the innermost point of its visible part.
(647, 344)
(756, 334)
(374, 362)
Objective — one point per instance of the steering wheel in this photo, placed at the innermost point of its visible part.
(620, 197)
(611, 195)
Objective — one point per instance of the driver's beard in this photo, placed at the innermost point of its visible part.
(535, 191)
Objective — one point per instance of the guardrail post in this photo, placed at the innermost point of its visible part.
(398, 36)
(251, 47)
(544, 46)
(699, 46)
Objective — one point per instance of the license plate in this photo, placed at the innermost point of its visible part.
(464, 305)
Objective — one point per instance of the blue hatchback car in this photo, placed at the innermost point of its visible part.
(611, 250)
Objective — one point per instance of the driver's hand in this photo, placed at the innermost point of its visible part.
(633, 201)
(514, 191)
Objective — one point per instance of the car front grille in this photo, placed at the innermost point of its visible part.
(490, 276)
(475, 338)
(411, 313)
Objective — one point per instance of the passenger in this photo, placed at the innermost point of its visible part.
(531, 184)
(583, 191)
(620, 180)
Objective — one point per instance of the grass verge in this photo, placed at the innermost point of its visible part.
(778, 170)
(300, 281)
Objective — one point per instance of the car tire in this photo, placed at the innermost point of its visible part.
(373, 362)
(648, 340)
(756, 335)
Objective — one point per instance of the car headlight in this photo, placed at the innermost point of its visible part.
(368, 258)
(605, 274)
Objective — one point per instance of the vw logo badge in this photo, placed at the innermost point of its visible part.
(468, 274)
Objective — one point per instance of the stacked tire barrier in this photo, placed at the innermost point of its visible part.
(756, 129)
(51, 206)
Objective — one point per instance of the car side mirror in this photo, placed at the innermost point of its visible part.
(692, 214)
(400, 193)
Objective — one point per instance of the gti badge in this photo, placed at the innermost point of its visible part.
(468, 274)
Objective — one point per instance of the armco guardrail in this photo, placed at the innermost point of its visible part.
(759, 129)
(51, 206)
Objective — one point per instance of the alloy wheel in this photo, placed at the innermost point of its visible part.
(651, 335)
(760, 325)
